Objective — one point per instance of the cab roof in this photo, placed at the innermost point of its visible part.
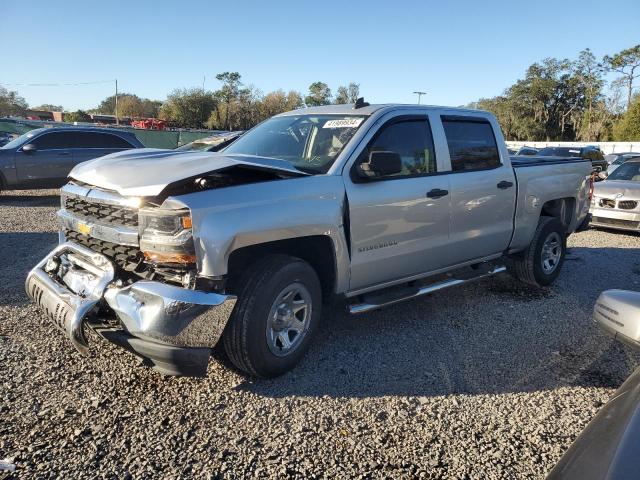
(348, 109)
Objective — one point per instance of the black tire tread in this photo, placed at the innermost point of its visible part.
(235, 337)
(524, 267)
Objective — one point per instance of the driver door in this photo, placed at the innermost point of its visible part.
(399, 224)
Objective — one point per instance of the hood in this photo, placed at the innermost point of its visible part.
(146, 172)
(613, 188)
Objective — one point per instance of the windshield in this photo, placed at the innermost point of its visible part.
(211, 144)
(195, 146)
(308, 142)
(16, 142)
(629, 171)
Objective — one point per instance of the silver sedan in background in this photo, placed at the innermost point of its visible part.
(616, 159)
(616, 201)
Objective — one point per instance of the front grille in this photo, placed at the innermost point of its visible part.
(101, 212)
(627, 204)
(615, 222)
(126, 257)
(607, 203)
(130, 259)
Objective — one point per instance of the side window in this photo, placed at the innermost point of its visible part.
(54, 140)
(472, 144)
(114, 141)
(100, 140)
(412, 140)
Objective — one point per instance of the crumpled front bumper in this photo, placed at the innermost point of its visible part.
(172, 328)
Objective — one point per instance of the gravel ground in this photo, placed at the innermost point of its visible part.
(491, 380)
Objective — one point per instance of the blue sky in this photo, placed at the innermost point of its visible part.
(457, 51)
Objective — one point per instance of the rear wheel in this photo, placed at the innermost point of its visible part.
(278, 309)
(541, 262)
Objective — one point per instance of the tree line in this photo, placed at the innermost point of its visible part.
(234, 106)
(558, 99)
(570, 100)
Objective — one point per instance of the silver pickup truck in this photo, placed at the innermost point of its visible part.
(168, 253)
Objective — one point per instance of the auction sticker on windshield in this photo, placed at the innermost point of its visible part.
(343, 123)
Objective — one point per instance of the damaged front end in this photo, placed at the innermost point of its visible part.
(170, 327)
(128, 272)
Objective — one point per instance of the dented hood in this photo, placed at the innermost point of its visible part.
(148, 171)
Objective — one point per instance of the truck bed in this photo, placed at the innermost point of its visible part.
(534, 160)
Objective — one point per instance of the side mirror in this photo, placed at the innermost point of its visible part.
(603, 175)
(29, 148)
(380, 164)
(618, 313)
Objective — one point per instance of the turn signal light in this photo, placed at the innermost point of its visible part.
(169, 257)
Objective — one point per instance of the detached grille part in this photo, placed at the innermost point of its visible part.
(607, 203)
(102, 212)
(627, 204)
(131, 259)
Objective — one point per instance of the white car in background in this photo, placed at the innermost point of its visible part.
(616, 201)
(616, 159)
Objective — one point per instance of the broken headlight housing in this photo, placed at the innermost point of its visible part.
(166, 236)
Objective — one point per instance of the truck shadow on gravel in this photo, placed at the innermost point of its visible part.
(494, 336)
(29, 200)
(19, 252)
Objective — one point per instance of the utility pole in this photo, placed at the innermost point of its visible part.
(204, 77)
(420, 95)
(117, 121)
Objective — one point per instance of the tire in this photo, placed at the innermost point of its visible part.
(263, 319)
(529, 268)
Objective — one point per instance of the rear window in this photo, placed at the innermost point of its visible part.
(472, 144)
(100, 140)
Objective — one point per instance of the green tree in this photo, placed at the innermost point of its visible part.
(319, 94)
(348, 94)
(546, 104)
(277, 102)
(589, 73)
(625, 63)
(627, 129)
(47, 107)
(129, 105)
(11, 104)
(77, 116)
(189, 108)
(228, 94)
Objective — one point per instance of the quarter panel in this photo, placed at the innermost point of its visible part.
(542, 183)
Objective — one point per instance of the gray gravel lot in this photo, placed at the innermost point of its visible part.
(492, 380)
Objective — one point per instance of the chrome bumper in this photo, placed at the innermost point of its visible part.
(72, 282)
(616, 219)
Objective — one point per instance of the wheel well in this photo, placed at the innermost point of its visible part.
(317, 250)
(561, 208)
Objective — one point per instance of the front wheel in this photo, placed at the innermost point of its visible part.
(541, 262)
(278, 308)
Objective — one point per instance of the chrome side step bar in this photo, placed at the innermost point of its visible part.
(357, 308)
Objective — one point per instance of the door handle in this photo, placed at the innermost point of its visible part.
(503, 185)
(437, 193)
(62, 154)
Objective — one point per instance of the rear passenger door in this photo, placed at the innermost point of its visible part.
(90, 145)
(483, 189)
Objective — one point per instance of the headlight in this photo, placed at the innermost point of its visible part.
(165, 235)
